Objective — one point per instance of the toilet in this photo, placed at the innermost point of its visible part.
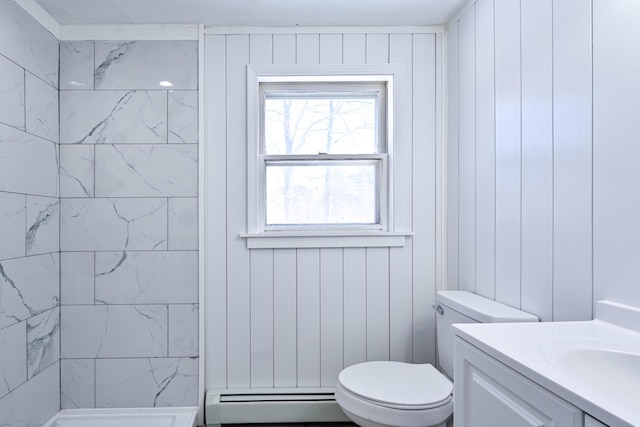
(396, 394)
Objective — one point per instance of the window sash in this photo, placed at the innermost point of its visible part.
(326, 90)
(381, 189)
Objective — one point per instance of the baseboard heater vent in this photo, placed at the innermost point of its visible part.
(271, 405)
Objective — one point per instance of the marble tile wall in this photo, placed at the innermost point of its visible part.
(29, 221)
(128, 224)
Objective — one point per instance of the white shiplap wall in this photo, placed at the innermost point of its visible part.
(520, 155)
(296, 317)
(616, 232)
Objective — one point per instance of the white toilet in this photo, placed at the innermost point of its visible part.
(395, 394)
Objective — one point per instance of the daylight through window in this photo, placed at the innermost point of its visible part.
(323, 155)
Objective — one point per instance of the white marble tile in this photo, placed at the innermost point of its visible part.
(13, 365)
(43, 341)
(183, 223)
(33, 403)
(77, 278)
(113, 117)
(42, 108)
(27, 43)
(126, 383)
(11, 94)
(77, 383)
(76, 65)
(114, 331)
(183, 330)
(29, 286)
(153, 277)
(13, 219)
(183, 117)
(113, 224)
(148, 170)
(77, 170)
(28, 164)
(43, 222)
(144, 64)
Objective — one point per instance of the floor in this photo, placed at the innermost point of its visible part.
(294, 425)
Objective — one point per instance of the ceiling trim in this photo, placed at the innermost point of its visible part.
(130, 32)
(42, 16)
(433, 29)
(455, 17)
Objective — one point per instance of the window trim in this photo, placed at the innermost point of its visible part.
(398, 191)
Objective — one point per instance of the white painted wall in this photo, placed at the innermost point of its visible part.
(616, 151)
(296, 317)
(520, 155)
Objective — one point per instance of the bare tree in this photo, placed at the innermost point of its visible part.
(303, 121)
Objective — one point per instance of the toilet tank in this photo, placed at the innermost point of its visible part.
(465, 307)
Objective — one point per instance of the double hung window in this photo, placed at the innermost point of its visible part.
(323, 156)
(322, 143)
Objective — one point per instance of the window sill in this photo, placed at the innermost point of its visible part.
(280, 240)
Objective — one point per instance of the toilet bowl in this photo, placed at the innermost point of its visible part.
(397, 394)
(394, 394)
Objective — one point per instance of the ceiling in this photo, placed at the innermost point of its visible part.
(271, 13)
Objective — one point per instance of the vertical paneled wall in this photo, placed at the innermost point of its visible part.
(128, 224)
(519, 170)
(29, 216)
(296, 317)
(616, 161)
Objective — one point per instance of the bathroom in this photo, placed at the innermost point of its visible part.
(125, 274)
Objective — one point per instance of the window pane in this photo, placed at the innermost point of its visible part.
(312, 125)
(327, 193)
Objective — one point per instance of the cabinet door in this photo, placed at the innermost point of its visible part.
(490, 394)
(589, 421)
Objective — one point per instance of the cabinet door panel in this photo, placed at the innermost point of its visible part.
(490, 394)
(493, 404)
(589, 421)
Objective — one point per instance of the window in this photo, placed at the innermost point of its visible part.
(321, 146)
(323, 155)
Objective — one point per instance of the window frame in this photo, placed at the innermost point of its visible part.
(396, 207)
(356, 90)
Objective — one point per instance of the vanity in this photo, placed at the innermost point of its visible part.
(569, 374)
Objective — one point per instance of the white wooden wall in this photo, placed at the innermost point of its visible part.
(296, 317)
(519, 168)
(616, 150)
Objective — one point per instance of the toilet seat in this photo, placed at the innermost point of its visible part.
(395, 394)
(397, 385)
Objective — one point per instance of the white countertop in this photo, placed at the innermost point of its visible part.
(539, 352)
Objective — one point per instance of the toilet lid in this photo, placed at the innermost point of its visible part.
(397, 385)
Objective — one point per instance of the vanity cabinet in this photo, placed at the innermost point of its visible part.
(490, 394)
(589, 421)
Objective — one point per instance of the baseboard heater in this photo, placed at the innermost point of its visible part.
(271, 405)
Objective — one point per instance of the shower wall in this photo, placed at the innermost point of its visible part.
(29, 217)
(128, 223)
